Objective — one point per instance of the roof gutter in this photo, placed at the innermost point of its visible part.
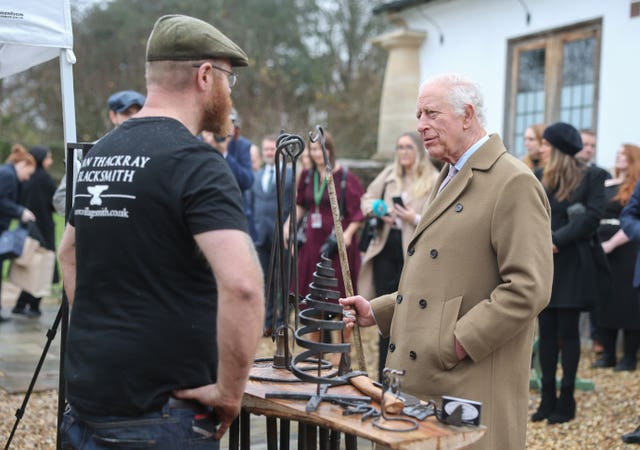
(397, 6)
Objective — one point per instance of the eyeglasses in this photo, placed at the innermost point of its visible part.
(231, 77)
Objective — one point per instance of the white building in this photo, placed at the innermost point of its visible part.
(538, 61)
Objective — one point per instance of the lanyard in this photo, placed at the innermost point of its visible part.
(317, 194)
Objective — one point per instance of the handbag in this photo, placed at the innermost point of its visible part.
(36, 276)
(372, 223)
(12, 242)
(301, 236)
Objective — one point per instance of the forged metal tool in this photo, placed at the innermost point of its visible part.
(391, 383)
(315, 399)
(342, 249)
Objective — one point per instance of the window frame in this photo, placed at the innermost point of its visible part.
(552, 41)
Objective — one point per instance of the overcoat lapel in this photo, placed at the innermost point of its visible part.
(437, 204)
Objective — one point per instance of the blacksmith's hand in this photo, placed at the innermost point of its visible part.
(362, 309)
(226, 408)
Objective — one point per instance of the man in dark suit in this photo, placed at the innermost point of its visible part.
(263, 203)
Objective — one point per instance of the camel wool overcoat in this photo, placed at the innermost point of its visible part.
(478, 268)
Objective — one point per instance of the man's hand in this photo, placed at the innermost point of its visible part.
(362, 308)
(461, 353)
(226, 409)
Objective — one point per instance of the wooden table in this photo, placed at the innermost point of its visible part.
(430, 433)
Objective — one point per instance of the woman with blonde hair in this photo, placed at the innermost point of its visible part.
(620, 309)
(576, 196)
(410, 179)
(532, 142)
(19, 167)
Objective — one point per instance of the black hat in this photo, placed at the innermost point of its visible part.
(564, 137)
(39, 153)
(184, 38)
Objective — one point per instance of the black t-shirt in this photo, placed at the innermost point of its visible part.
(144, 316)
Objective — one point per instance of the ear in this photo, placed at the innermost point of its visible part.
(112, 116)
(204, 76)
(469, 116)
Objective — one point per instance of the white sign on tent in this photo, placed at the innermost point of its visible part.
(32, 32)
(35, 31)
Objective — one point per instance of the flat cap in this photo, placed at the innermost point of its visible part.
(563, 137)
(123, 100)
(184, 38)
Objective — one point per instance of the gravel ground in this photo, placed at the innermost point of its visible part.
(603, 415)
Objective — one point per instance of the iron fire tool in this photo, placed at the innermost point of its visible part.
(313, 320)
(391, 383)
(342, 249)
(288, 147)
(282, 269)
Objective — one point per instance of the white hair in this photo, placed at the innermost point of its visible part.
(462, 91)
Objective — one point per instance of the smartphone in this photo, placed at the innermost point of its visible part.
(397, 200)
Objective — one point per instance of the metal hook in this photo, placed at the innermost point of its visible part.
(319, 135)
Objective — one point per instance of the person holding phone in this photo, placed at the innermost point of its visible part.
(411, 176)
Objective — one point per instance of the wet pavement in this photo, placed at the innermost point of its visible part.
(22, 343)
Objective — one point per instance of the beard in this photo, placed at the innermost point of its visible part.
(217, 109)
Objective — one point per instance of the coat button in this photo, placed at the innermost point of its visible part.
(399, 299)
(434, 253)
(392, 347)
(412, 355)
(411, 251)
(459, 207)
(422, 303)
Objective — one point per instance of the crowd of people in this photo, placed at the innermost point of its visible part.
(458, 265)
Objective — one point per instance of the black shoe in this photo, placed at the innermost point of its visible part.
(19, 310)
(33, 313)
(565, 407)
(633, 437)
(604, 361)
(4, 319)
(547, 403)
(625, 365)
(543, 412)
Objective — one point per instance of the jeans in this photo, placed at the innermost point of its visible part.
(171, 428)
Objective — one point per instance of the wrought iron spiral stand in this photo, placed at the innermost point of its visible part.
(313, 320)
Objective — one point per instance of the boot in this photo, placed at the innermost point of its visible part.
(547, 403)
(629, 360)
(605, 360)
(633, 437)
(627, 363)
(565, 406)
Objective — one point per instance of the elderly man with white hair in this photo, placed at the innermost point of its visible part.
(478, 270)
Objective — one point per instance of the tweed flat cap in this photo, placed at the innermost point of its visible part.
(184, 38)
(564, 137)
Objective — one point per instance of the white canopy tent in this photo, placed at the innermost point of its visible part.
(33, 32)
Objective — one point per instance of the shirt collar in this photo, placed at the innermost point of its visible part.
(470, 151)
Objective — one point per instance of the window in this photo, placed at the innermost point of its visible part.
(552, 77)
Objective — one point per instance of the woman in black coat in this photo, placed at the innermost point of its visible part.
(19, 167)
(37, 195)
(577, 200)
(620, 309)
